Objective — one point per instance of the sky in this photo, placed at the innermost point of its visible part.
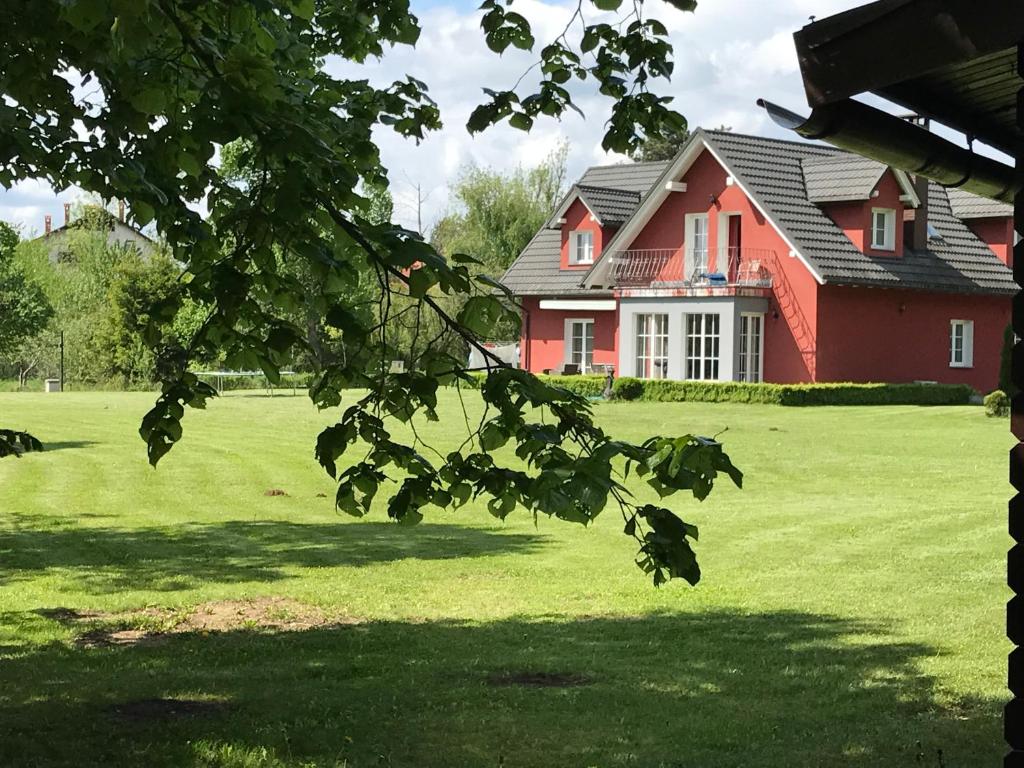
(727, 54)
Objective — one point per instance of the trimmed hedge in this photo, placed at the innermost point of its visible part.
(664, 390)
(587, 385)
(843, 393)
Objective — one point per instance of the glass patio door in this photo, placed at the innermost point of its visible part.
(749, 365)
(651, 349)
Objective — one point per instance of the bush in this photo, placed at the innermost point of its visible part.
(627, 389)
(997, 404)
(664, 390)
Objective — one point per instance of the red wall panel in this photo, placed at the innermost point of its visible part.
(545, 347)
(998, 235)
(873, 334)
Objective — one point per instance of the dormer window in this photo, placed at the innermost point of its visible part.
(581, 247)
(883, 229)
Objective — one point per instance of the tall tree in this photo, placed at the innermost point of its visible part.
(662, 145)
(24, 308)
(498, 213)
(24, 312)
(131, 100)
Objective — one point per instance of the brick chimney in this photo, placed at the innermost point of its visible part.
(48, 223)
(120, 211)
(916, 234)
(67, 214)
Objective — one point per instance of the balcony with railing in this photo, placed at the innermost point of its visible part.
(681, 268)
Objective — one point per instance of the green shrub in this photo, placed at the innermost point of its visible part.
(997, 404)
(666, 390)
(627, 389)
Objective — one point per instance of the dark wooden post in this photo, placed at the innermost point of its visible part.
(1014, 716)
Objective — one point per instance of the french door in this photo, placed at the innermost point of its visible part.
(703, 346)
(750, 365)
(696, 245)
(651, 346)
(581, 344)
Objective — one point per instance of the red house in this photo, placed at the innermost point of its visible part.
(754, 259)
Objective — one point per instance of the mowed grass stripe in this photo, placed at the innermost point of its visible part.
(851, 607)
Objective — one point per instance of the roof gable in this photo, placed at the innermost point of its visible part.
(967, 205)
(840, 179)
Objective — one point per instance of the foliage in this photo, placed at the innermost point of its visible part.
(137, 284)
(664, 390)
(24, 309)
(661, 146)
(665, 145)
(997, 403)
(499, 213)
(14, 443)
(132, 101)
(101, 294)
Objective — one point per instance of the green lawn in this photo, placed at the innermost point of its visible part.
(851, 611)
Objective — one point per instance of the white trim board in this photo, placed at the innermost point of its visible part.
(580, 305)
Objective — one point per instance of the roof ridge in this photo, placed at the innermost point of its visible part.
(625, 164)
(793, 142)
(618, 190)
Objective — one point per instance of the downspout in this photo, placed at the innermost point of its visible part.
(900, 144)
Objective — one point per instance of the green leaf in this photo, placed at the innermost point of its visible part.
(304, 9)
(149, 101)
(480, 314)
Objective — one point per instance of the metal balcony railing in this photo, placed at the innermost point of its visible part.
(683, 268)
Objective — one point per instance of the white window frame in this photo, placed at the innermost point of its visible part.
(693, 267)
(581, 239)
(962, 355)
(702, 351)
(570, 355)
(651, 345)
(747, 352)
(888, 242)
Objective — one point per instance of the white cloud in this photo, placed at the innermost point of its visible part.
(728, 53)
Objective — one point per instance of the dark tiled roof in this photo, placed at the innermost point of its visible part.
(632, 177)
(970, 206)
(840, 178)
(772, 171)
(612, 206)
(537, 271)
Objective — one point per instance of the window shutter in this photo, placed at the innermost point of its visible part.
(968, 343)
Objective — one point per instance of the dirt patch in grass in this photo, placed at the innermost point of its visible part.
(142, 710)
(151, 625)
(274, 492)
(278, 613)
(538, 679)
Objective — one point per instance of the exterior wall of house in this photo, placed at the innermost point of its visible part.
(873, 334)
(543, 347)
(790, 347)
(855, 218)
(728, 309)
(997, 233)
(578, 218)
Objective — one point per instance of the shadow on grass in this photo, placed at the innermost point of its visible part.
(184, 556)
(64, 445)
(711, 690)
